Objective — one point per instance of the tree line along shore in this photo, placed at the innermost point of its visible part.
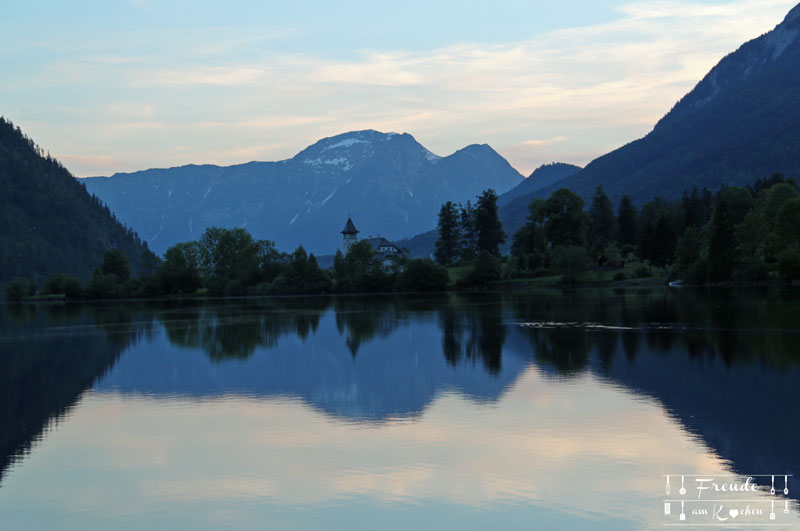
(736, 234)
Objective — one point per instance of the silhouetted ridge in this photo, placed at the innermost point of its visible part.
(49, 223)
(737, 125)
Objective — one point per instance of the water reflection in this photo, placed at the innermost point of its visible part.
(720, 363)
(49, 356)
(359, 321)
(366, 359)
(225, 335)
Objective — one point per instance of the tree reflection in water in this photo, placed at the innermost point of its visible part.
(49, 356)
(473, 329)
(693, 350)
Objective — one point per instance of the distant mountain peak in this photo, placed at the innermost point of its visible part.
(365, 136)
(477, 147)
(477, 151)
(548, 167)
(346, 143)
(544, 175)
(394, 183)
(343, 151)
(346, 150)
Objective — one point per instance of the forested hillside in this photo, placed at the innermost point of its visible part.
(49, 223)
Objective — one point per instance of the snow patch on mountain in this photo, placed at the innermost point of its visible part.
(329, 197)
(338, 161)
(346, 143)
(430, 156)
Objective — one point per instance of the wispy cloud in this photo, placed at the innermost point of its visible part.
(542, 143)
(392, 70)
(202, 75)
(570, 94)
(89, 161)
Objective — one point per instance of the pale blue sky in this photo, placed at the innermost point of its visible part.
(119, 86)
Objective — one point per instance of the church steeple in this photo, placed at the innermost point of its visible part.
(350, 234)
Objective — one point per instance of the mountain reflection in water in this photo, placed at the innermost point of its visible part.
(722, 363)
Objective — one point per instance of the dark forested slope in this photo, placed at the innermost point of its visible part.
(48, 221)
(739, 123)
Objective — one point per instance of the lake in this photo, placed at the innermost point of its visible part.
(583, 409)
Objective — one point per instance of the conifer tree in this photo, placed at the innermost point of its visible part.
(721, 244)
(602, 226)
(663, 243)
(467, 228)
(447, 245)
(530, 238)
(565, 221)
(489, 229)
(626, 221)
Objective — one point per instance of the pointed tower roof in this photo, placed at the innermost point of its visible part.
(349, 227)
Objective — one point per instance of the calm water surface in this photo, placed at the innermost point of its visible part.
(506, 411)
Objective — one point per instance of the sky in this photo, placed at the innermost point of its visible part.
(112, 86)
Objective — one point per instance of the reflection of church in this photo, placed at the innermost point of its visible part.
(386, 252)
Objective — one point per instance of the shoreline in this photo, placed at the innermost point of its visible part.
(511, 286)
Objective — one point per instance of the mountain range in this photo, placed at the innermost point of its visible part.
(739, 123)
(390, 184)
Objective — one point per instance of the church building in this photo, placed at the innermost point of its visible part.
(386, 252)
(350, 234)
